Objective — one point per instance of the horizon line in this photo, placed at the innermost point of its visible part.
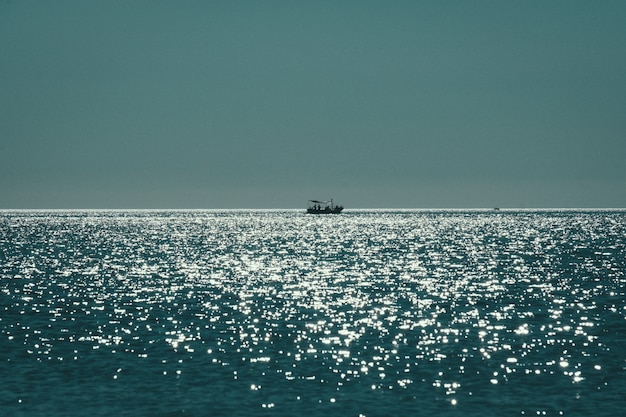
(345, 210)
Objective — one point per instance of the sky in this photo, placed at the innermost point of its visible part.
(266, 104)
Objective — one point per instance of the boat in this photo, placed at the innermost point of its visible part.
(323, 207)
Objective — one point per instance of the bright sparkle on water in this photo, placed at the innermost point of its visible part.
(282, 313)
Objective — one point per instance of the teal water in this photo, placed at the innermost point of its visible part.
(279, 313)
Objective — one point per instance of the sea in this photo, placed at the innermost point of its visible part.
(281, 313)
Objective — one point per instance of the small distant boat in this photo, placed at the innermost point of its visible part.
(323, 207)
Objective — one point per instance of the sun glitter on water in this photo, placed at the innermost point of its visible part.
(371, 312)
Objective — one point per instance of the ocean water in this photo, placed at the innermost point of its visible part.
(280, 313)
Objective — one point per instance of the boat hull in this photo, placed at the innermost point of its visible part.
(328, 210)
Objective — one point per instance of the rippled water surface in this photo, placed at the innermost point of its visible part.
(367, 313)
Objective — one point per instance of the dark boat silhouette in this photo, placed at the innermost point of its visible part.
(323, 207)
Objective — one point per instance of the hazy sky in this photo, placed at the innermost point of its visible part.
(265, 104)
